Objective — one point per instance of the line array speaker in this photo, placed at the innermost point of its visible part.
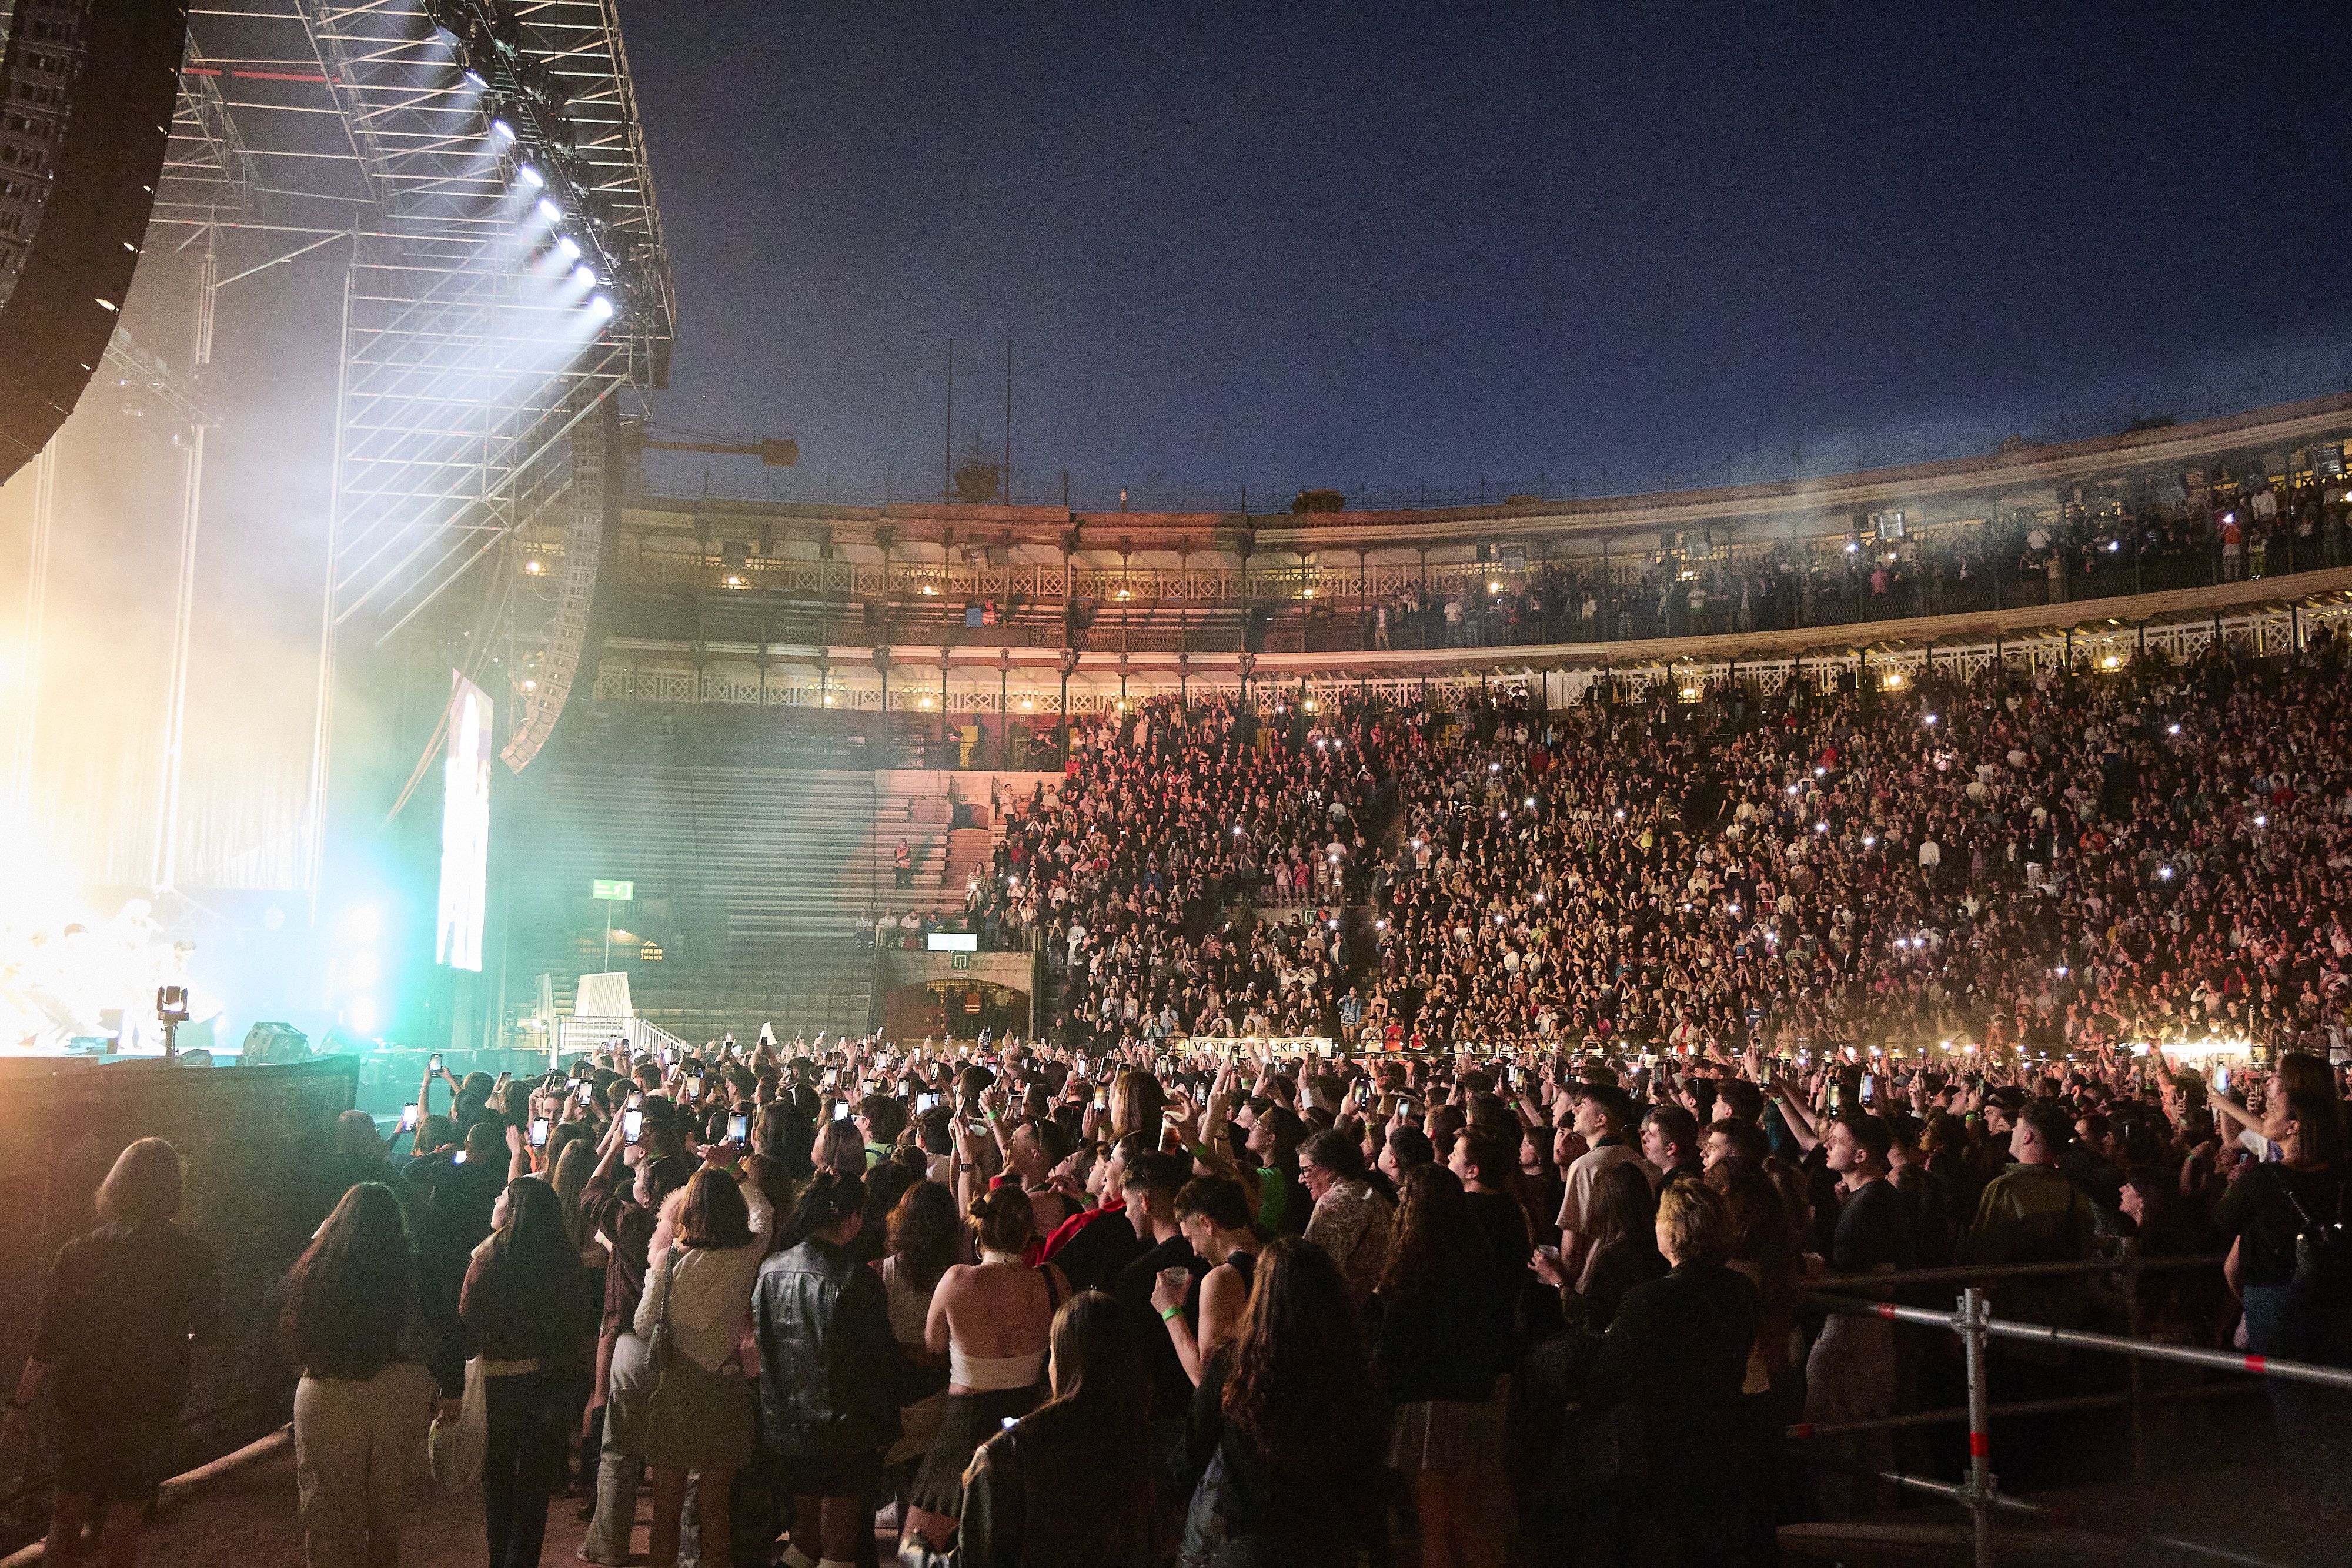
(87, 92)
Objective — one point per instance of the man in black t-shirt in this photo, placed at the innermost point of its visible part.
(1851, 1374)
(1152, 1183)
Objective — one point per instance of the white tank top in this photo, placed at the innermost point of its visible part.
(910, 1306)
(986, 1374)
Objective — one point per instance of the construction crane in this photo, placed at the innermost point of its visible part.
(773, 452)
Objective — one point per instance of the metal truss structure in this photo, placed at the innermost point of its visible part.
(420, 132)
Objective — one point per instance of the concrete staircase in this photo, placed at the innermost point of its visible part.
(750, 879)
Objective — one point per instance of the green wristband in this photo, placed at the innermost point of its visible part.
(1172, 1313)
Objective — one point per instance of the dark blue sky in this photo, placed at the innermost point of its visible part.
(1269, 245)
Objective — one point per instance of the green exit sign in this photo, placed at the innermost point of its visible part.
(959, 961)
(618, 892)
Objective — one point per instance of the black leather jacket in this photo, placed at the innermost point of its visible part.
(829, 1366)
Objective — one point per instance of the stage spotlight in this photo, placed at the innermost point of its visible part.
(585, 276)
(600, 307)
(473, 79)
(502, 131)
(550, 209)
(529, 176)
(569, 246)
(362, 1015)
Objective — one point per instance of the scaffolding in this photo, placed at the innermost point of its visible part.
(381, 128)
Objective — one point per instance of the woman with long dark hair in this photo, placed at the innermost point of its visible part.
(1441, 1350)
(925, 1237)
(697, 1300)
(1281, 1446)
(519, 1305)
(351, 1326)
(1070, 1485)
(2296, 1285)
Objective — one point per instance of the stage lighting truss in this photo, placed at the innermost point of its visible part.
(480, 324)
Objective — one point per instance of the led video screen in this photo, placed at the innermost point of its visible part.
(465, 829)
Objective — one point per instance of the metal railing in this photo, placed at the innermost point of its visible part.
(1973, 1321)
(578, 1035)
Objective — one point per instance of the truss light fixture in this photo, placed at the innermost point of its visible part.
(568, 247)
(600, 307)
(550, 209)
(529, 176)
(473, 79)
(585, 276)
(501, 132)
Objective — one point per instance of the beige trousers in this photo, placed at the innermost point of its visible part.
(356, 1447)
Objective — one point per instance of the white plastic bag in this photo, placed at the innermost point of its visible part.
(454, 1448)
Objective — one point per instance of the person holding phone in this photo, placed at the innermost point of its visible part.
(360, 1156)
(519, 1307)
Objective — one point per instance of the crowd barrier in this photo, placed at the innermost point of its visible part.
(1971, 1321)
(251, 1139)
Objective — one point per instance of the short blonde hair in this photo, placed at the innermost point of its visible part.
(1691, 1222)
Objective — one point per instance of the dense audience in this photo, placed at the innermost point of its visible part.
(1885, 572)
(2092, 862)
(1468, 1217)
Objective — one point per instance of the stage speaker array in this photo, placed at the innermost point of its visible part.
(87, 93)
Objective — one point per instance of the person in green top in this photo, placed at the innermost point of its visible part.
(2033, 1213)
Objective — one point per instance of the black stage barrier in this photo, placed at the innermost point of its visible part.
(252, 1140)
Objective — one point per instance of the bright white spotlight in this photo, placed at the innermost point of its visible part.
(569, 246)
(550, 209)
(529, 176)
(502, 131)
(585, 276)
(600, 307)
(473, 79)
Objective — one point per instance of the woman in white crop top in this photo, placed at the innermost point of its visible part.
(992, 1318)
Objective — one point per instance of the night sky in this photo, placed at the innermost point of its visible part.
(1332, 245)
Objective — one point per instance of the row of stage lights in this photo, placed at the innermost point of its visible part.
(529, 132)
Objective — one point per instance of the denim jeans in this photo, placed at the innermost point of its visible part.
(2315, 1424)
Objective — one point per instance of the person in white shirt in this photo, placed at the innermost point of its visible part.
(1602, 1114)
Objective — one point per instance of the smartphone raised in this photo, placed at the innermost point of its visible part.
(633, 1121)
(841, 1110)
(434, 1064)
(408, 1118)
(739, 1126)
(538, 1133)
(926, 1104)
(586, 1088)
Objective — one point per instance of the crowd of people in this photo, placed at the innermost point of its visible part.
(2075, 551)
(1461, 1210)
(1210, 1307)
(2093, 861)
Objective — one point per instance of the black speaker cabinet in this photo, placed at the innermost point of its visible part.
(87, 92)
